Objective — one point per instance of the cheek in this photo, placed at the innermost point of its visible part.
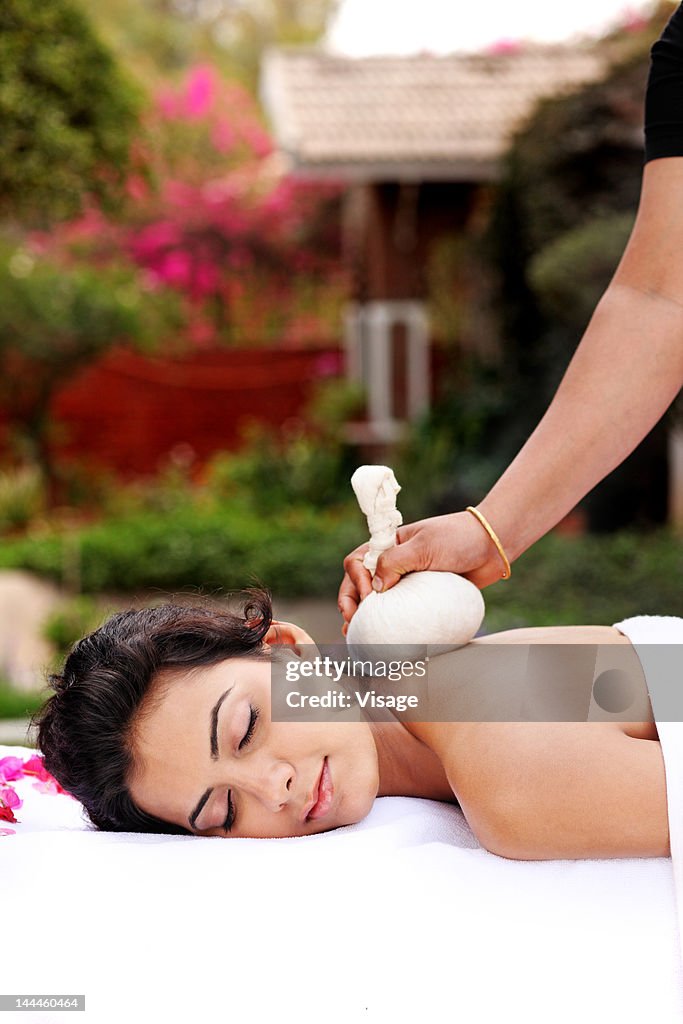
(358, 778)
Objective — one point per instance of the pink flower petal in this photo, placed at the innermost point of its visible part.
(34, 765)
(49, 786)
(10, 797)
(6, 813)
(11, 768)
(200, 91)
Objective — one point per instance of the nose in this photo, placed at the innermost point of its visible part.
(271, 782)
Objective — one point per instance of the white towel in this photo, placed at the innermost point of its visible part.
(402, 917)
(658, 640)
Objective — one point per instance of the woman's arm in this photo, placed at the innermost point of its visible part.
(561, 790)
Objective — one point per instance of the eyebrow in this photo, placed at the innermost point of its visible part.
(213, 736)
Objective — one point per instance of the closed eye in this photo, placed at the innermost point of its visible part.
(246, 739)
(230, 818)
(253, 716)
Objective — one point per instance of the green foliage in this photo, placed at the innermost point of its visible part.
(54, 320)
(278, 470)
(570, 274)
(573, 170)
(579, 156)
(560, 581)
(66, 111)
(589, 580)
(61, 317)
(453, 451)
(22, 496)
(69, 622)
(166, 36)
(19, 703)
(305, 464)
(297, 553)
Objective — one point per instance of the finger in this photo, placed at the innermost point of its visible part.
(406, 532)
(395, 563)
(348, 598)
(348, 607)
(358, 575)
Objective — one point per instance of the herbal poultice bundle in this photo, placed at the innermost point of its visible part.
(435, 610)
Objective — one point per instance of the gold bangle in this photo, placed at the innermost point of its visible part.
(492, 534)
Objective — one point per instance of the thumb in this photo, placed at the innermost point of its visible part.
(394, 563)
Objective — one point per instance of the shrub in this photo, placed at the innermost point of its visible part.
(69, 622)
(590, 580)
(67, 112)
(297, 553)
(571, 273)
(22, 496)
(19, 703)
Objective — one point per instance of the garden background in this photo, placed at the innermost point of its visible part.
(150, 229)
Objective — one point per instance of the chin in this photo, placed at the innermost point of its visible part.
(358, 808)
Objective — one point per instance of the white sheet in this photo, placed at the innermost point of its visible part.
(650, 634)
(400, 918)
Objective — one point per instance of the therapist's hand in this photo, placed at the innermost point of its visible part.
(452, 543)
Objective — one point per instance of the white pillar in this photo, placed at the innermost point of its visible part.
(418, 361)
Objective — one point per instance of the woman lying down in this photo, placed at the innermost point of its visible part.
(161, 722)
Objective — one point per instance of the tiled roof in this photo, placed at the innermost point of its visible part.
(411, 118)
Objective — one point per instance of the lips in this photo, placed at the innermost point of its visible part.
(322, 797)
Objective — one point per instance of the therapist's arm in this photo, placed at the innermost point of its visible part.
(624, 374)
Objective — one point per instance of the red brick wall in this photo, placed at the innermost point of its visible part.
(128, 411)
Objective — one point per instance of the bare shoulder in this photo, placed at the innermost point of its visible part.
(556, 635)
(544, 790)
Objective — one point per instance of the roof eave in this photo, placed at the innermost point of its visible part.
(403, 171)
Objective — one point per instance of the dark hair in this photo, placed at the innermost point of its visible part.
(85, 728)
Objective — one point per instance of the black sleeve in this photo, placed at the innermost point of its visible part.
(664, 97)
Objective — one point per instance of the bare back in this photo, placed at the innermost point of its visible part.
(548, 788)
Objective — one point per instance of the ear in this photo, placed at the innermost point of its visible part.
(287, 633)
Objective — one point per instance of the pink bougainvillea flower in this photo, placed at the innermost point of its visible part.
(7, 814)
(167, 103)
(8, 831)
(632, 19)
(48, 786)
(200, 91)
(34, 766)
(155, 236)
(504, 45)
(11, 768)
(175, 267)
(257, 140)
(206, 278)
(46, 783)
(9, 797)
(136, 187)
(222, 135)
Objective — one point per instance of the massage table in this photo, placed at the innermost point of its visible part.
(401, 917)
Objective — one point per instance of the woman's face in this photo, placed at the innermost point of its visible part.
(211, 760)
